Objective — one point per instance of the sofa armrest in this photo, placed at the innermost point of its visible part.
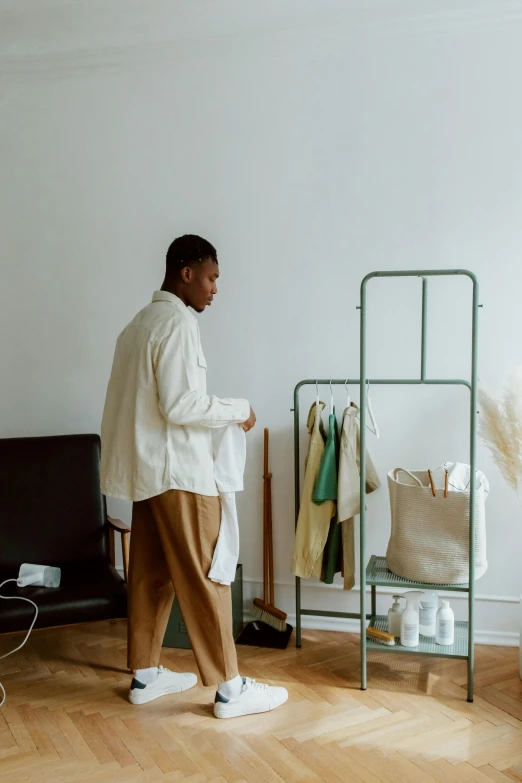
(117, 526)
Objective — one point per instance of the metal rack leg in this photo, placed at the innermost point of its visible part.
(471, 669)
(473, 482)
(362, 489)
(363, 640)
(374, 601)
(297, 503)
(471, 627)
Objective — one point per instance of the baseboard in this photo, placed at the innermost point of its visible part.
(314, 593)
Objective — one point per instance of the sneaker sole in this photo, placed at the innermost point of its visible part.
(143, 699)
(221, 711)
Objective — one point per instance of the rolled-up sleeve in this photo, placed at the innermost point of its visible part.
(178, 373)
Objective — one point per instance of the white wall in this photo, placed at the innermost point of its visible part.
(312, 142)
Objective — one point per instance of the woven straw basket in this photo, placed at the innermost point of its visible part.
(429, 539)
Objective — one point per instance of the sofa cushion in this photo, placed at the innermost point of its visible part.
(88, 591)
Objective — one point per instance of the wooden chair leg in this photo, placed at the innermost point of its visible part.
(125, 545)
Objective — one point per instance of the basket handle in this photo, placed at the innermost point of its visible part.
(403, 470)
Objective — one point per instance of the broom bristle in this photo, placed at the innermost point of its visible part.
(265, 617)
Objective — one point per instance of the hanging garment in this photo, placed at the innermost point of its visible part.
(313, 521)
(229, 449)
(325, 490)
(349, 488)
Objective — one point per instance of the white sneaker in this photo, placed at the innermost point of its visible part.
(166, 682)
(254, 697)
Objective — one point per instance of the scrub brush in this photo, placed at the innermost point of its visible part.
(380, 636)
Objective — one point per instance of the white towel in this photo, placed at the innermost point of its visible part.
(229, 448)
(459, 477)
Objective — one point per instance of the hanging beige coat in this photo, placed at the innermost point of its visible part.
(313, 521)
(349, 490)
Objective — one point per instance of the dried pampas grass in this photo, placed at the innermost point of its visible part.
(500, 427)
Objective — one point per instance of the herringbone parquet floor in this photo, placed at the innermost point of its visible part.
(67, 719)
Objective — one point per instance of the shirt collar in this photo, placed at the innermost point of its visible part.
(166, 296)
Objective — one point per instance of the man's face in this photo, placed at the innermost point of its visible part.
(201, 284)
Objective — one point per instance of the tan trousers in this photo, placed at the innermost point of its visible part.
(172, 544)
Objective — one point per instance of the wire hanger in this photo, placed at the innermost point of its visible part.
(373, 428)
(331, 399)
(348, 398)
(317, 394)
(372, 424)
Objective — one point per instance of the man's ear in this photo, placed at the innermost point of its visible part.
(186, 274)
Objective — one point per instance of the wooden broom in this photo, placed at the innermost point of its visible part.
(265, 610)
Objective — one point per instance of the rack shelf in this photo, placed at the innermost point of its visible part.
(426, 646)
(378, 573)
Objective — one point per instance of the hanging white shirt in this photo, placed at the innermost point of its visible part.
(229, 449)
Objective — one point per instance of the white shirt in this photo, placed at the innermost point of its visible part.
(229, 445)
(156, 422)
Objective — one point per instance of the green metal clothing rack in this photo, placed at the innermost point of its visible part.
(376, 573)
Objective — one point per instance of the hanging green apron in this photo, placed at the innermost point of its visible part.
(326, 489)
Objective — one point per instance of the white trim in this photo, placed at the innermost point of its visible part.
(497, 638)
(312, 585)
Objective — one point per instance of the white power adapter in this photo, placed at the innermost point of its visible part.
(39, 575)
(30, 574)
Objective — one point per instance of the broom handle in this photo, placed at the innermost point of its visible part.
(265, 523)
(270, 546)
(265, 546)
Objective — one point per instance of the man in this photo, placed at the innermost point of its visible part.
(157, 452)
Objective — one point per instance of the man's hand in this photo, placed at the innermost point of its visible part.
(250, 422)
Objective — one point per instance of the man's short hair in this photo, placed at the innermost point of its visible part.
(188, 250)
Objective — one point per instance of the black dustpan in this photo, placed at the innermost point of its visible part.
(259, 634)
